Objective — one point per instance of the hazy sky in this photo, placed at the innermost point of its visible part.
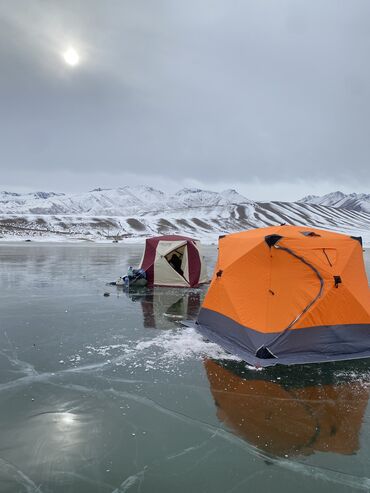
(271, 97)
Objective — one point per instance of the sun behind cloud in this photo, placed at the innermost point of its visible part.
(71, 57)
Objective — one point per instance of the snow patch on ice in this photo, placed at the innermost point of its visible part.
(165, 352)
(182, 345)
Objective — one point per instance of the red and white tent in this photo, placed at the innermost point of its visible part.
(173, 261)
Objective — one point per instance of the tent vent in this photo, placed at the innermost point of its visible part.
(358, 238)
(309, 233)
(264, 353)
(337, 281)
(272, 239)
(221, 236)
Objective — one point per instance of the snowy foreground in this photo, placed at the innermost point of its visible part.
(135, 213)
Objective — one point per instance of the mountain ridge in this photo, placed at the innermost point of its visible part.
(340, 200)
(116, 201)
(134, 213)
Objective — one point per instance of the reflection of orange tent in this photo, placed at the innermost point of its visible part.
(288, 295)
(279, 420)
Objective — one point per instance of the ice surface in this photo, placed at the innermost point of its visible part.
(105, 394)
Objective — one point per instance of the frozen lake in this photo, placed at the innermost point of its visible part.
(111, 395)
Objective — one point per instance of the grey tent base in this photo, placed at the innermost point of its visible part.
(287, 359)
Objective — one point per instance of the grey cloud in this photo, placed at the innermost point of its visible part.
(210, 91)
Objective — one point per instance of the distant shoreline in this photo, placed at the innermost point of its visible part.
(84, 241)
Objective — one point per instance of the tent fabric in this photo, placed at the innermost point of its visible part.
(289, 294)
(160, 272)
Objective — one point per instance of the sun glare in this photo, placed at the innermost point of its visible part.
(67, 418)
(71, 57)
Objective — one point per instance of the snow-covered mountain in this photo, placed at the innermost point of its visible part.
(138, 212)
(352, 201)
(114, 202)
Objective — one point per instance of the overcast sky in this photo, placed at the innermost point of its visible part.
(269, 97)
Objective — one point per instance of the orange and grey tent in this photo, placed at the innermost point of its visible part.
(289, 295)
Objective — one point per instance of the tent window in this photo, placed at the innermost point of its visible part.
(175, 258)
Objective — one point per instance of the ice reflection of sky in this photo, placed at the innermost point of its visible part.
(53, 432)
(67, 420)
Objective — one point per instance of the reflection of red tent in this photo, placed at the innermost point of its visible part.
(161, 308)
(173, 261)
(279, 420)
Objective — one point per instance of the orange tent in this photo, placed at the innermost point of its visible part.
(289, 294)
(322, 416)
